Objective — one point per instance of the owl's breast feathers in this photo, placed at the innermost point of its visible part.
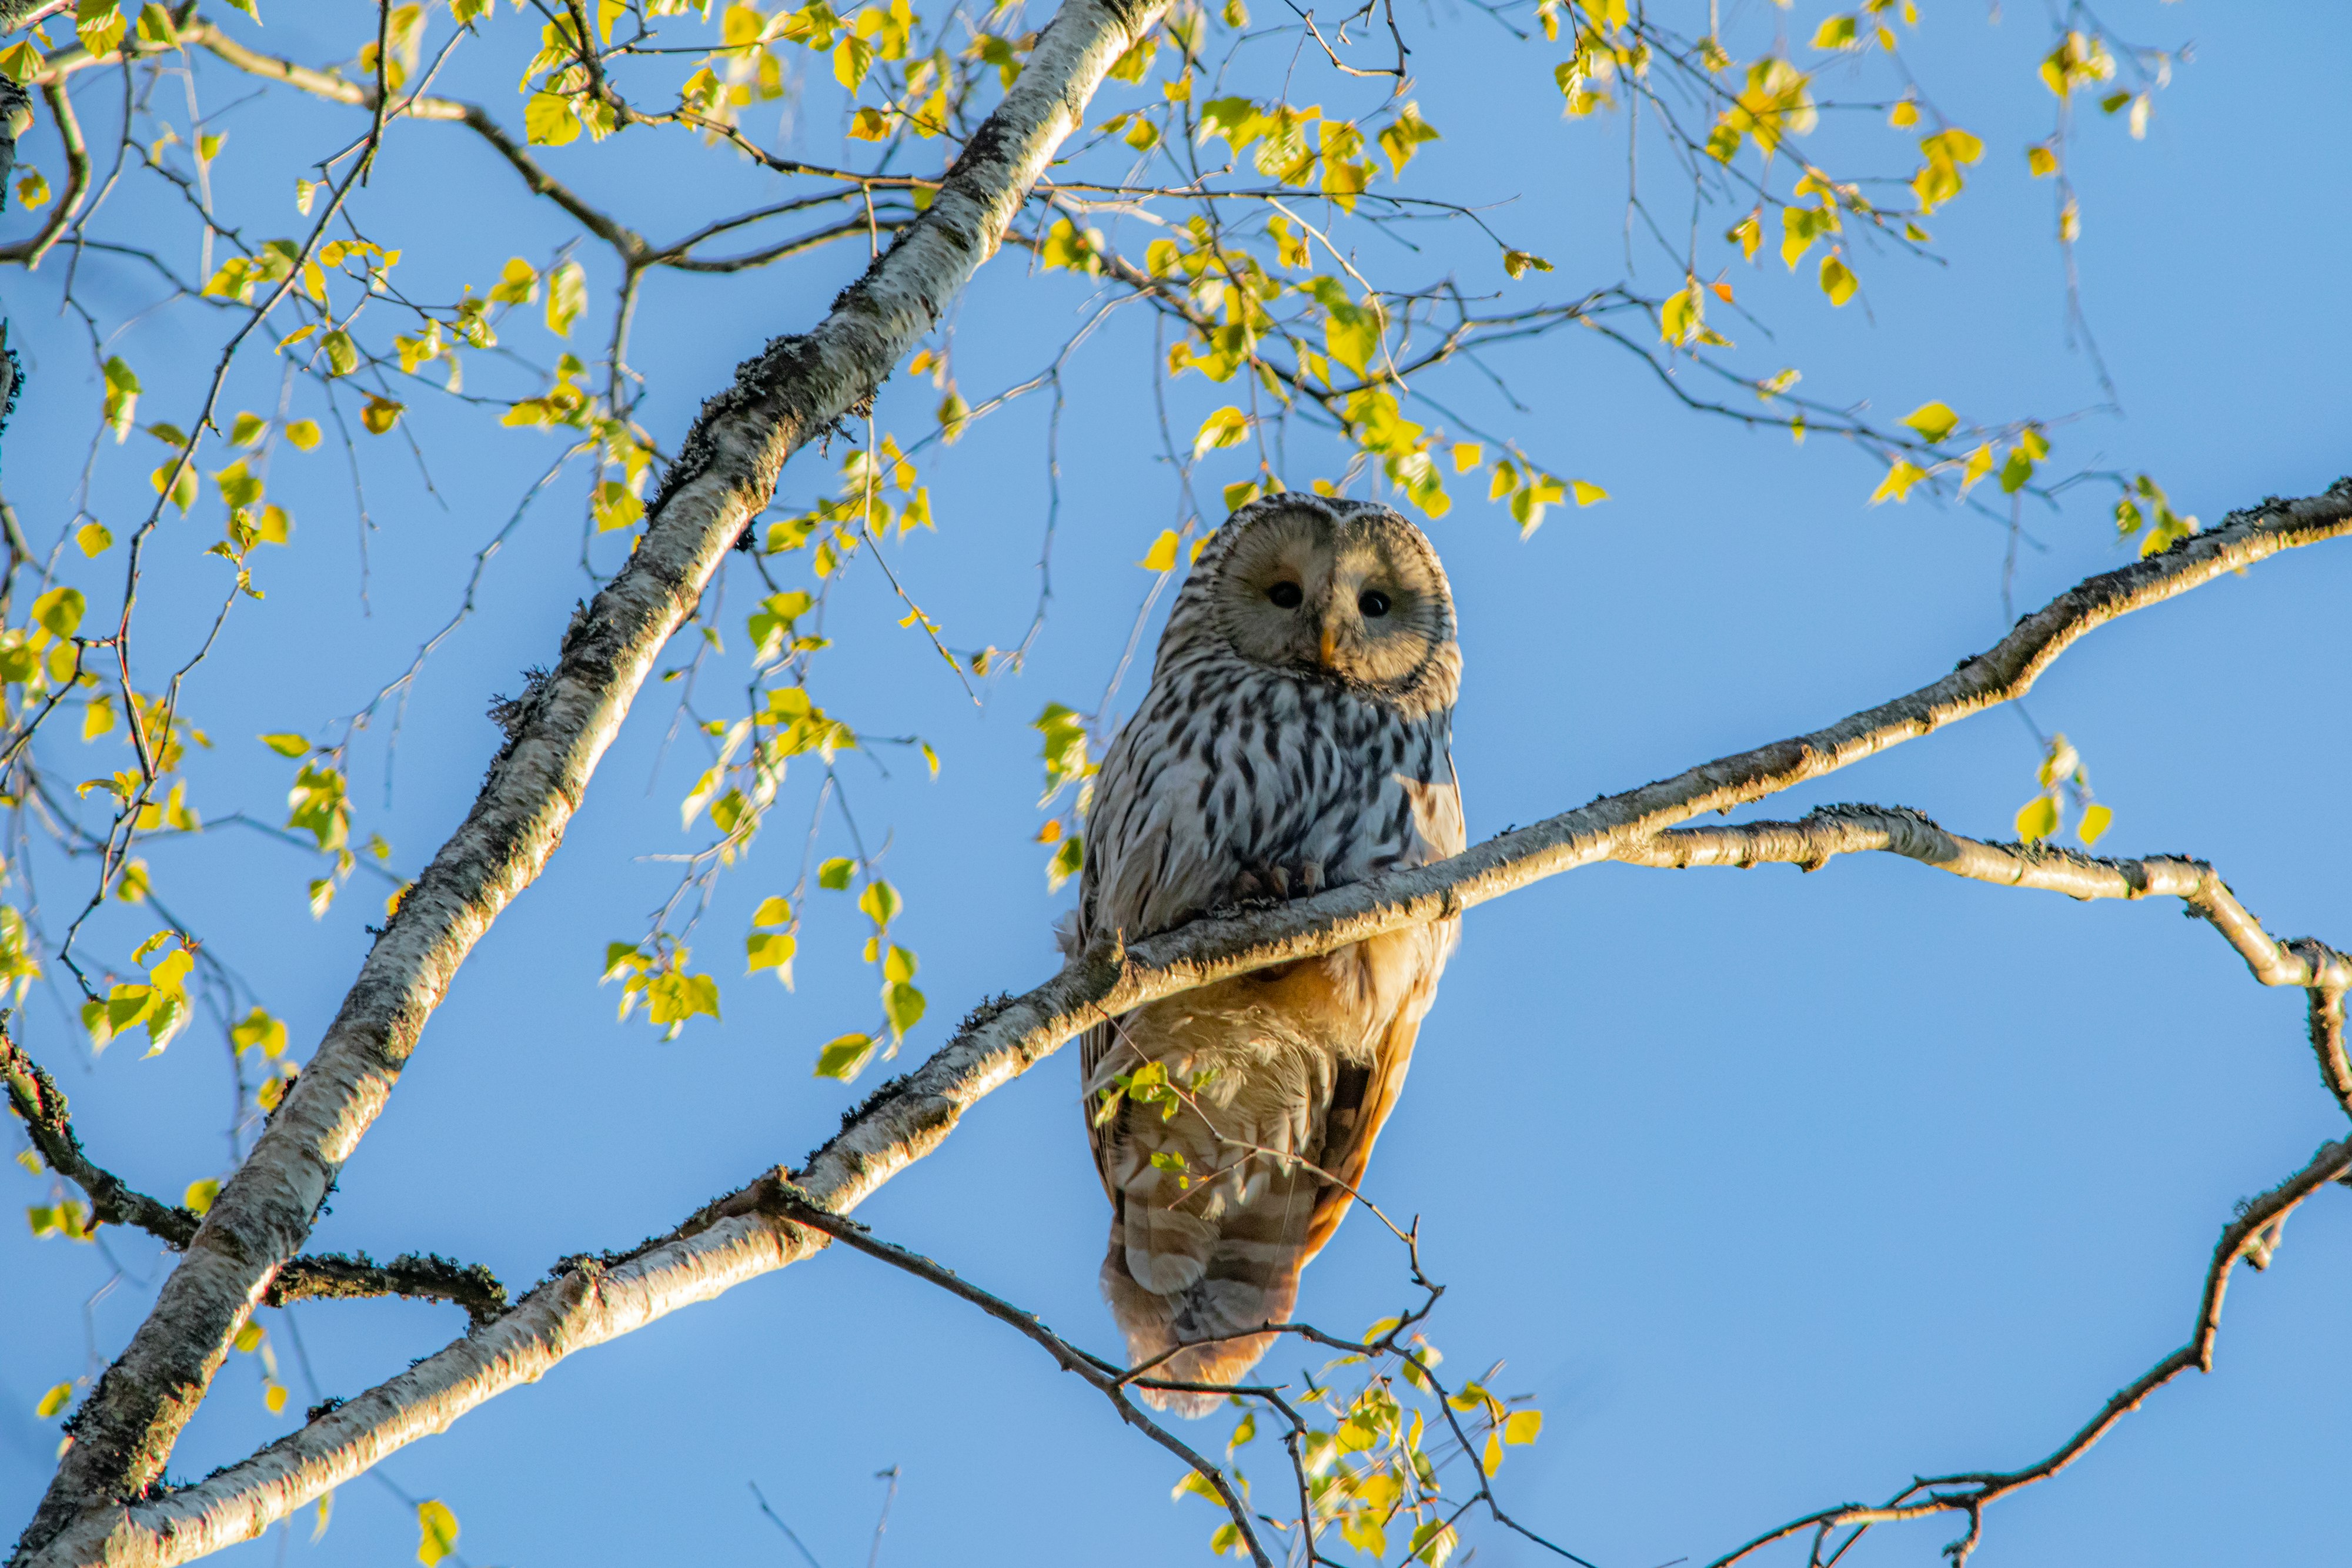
(1237, 782)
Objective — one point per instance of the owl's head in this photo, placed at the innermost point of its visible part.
(1346, 591)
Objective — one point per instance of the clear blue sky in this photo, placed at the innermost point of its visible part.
(1773, 1190)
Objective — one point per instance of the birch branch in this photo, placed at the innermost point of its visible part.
(1849, 829)
(40, 1104)
(726, 473)
(742, 1235)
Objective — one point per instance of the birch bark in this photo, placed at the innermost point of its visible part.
(748, 1234)
(726, 473)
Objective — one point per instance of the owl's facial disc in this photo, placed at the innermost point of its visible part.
(1358, 599)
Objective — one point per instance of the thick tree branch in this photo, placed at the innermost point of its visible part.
(726, 473)
(739, 1237)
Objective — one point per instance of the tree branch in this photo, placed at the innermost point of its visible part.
(726, 473)
(429, 1277)
(37, 1100)
(34, 1095)
(1847, 830)
(1105, 1378)
(2252, 1235)
(739, 1237)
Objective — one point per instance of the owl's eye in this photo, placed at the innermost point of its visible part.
(1374, 602)
(1285, 595)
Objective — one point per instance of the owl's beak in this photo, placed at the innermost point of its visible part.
(1328, 655)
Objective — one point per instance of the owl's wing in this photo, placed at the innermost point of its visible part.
(1360, 1103)
(1362, 1097)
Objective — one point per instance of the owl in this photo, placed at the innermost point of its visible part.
(1295, 736)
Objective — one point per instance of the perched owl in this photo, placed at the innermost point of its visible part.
(1295, 736)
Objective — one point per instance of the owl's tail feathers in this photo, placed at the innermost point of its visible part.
(1245, 1277)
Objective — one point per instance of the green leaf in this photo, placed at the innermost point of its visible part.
(880, 901)
(904, 1004)
(59, 609)
(835, 873)
(845, 1057)
(1067, 863)
(436, 1531)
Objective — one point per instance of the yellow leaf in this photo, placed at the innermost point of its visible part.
(54, 1401)
(2093, 823)
(1933, 421)
(1837, 280)
(1162, 556)
(1518, 263)
(93, 538)
(1586, 492)
(549, 120)
(303, 433)
(1226, 427)
(436, 1531)
(1898, 483)
(381, 415)
(2041, 162)
(1522, 1427)
(198, 1199)
(2037, 818)
(567, 297)
(1467, 454)
(273, 1393)
(1979, 464)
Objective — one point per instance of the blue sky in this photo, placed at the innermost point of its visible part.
(1772, 1190)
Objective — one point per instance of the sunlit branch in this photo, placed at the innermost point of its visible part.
(735, 1239)
(725, 473)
